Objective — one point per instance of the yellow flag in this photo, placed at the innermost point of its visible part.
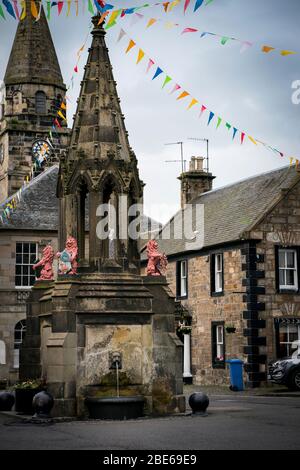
(130, 46)
(140, 56)
(23, 14)
(173, 4)
(192, 103)
(80, 50)
(285, 53)
(291, 161)
(69, 7)
(63, 106)
(252, 140)
(151, 22)
(183, 95)
(60, 114)
(34, 10)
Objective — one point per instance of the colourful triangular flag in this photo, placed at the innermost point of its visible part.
(157, 73)
(182, 95)
(211, 116)
(192, 103)
(267, 49)
(140, 56)
(151, 22)
(198, 4)
(219, 122)
(130, 46)
(167, 80)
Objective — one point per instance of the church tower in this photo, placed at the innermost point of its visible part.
(34, 91)
(100, 170)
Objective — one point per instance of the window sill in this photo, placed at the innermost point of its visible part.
(184, 297)
(222, 365)
(217, 294)
(288, 291)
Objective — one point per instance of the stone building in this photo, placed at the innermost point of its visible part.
(237, 270)
(33, 93)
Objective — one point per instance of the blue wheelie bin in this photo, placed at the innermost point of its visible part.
(236, 375)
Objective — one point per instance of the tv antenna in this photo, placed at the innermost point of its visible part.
(195, 139)
(182, 161)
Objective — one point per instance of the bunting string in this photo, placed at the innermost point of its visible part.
(223, 39)
(184, 96)
(12, 8)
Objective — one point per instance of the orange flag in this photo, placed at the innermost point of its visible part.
(183, 95)
(151, 22)
(34, 10)
(267, 49)
(130, 46)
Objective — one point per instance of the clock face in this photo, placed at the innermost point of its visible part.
(41, 150)
(1, 154)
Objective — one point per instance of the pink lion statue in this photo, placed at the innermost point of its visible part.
(157, 262)
(67, 263)
(46, 262)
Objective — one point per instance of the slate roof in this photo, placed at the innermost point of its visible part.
(228, 211)
(38, 208)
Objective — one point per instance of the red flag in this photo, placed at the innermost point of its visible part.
(242, 137)
(76, 69)
(186, 4)
(57, 123)
(60, 7)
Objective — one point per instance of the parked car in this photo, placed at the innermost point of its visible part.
(286, 372)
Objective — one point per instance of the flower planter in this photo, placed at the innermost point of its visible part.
(230, 329)
(24, 399)
(118, 408)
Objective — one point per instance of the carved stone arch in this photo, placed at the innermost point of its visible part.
(110, 178)
(78, 179)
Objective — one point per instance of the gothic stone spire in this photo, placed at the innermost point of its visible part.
(99, 129)
(33, 58)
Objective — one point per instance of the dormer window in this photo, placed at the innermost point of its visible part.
(40, 102)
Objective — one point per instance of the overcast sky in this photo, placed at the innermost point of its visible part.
(250, 90)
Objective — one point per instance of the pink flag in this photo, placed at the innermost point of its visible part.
(176, 88)
(189, 30)
(150, 64)
(203, 108)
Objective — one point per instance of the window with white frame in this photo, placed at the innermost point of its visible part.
(2, 353)
(218, 345)
(182, 278)
(219, 272)
(288, 269)
(26, 256)
(20, 331)
(289, 337)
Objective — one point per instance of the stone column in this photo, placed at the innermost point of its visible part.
(187, 375)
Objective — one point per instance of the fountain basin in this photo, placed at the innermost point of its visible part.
(115, 408)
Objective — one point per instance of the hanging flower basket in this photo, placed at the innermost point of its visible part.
(230, 329)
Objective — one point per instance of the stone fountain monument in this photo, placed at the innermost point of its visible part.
(101, 307)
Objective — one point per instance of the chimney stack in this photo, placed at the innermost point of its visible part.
(195, 182)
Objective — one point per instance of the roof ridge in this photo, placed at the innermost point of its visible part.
(30, 184)
(243, 180)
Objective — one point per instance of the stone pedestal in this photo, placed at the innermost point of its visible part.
(82, 320)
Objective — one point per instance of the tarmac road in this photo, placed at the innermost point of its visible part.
(234, 422)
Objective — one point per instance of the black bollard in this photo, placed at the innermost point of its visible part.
(7, 401)
(199, 403)
(42, 404)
